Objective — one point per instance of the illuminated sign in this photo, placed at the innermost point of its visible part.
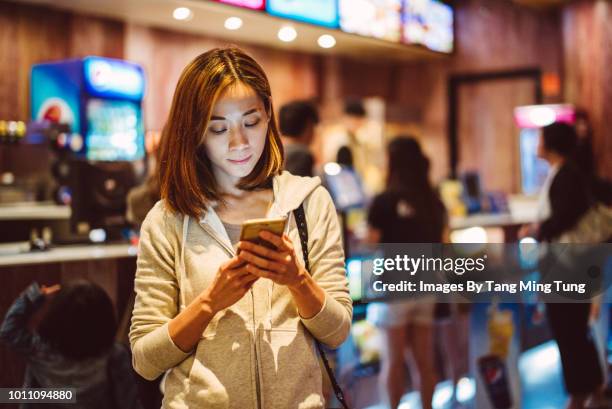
(429, 23)
(372, 18)
(320, 12)
(538, 116)
(249, 4)
(113, 78)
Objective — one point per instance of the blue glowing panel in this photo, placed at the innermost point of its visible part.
(372, 18)
(55, 93)
(114, 130)
(107, 78)
(319, 12)
(533, 169)
(429, 23)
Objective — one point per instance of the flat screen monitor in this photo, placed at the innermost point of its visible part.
(249, 4)
(429, 23)
(345, 188)
(114, 130)
(319, 12)
(353, 272)
(372, 18)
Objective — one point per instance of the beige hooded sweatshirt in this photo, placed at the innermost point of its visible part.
(259, 353)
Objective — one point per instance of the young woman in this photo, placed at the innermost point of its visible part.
(408, 211)
(232, 323)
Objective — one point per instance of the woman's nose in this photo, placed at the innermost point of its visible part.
(238, 139)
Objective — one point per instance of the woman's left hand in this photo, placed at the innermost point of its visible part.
(280, 265)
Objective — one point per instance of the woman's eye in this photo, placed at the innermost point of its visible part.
(217, 131)
(252, 123)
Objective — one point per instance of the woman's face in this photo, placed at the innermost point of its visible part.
(236, 134)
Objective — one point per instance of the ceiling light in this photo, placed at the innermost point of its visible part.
(326, 41)
(182, 13)
(287, 34)
(233, 23)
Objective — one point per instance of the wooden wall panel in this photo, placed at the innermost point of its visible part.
(8, 61)
(32, 34)
(95, 36)
(164, 54)
(587, 38)
(488, 135)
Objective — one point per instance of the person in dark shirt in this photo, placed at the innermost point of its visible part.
(408, 211)
(569, 198)
(297, 122)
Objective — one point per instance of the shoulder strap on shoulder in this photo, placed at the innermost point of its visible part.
(300, 219)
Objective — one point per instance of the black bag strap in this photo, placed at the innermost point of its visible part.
(300, 219)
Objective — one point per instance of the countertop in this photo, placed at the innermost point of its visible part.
(62, 254)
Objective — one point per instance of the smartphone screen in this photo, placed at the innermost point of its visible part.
(252, 228)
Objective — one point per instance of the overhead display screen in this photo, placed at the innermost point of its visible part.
(429, 23)
(372, 18)
(319, 12)
(249, 4)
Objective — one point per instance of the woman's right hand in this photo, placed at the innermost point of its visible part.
(230, 284)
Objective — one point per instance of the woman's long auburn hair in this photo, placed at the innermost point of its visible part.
(184, 171)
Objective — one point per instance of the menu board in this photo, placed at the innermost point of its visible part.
(372, 18)
(249, 4)
(430, 23)
(319, 12)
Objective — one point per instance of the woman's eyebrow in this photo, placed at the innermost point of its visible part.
(249, 112)
(221, 118)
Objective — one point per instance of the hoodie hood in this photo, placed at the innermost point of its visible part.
(290, 191)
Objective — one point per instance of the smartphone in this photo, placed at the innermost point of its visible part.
(251, 229)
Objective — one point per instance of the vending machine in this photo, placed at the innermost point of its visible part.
(100, 100)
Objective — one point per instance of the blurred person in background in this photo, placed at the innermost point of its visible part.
(356, 141)
(297, 121)
(142, 198)
(73, 346)
(408, 211)
(569, 199)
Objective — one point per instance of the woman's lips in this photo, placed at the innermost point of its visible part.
(241, 161)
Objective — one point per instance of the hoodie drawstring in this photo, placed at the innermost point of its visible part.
(183, 270)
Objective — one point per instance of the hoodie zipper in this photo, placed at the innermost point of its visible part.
(232, 253)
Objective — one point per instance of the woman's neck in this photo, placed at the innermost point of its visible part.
(235, 209)
(227, 185)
